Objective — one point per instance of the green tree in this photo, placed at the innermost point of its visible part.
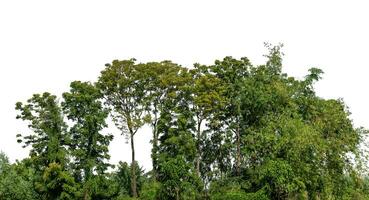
(16, 181)
(104, 186)
(161, 81)
(48, 142)
(48, 137)
(122, 86)
(89, 147)
(57, 183)
(207, 92)
(4, 162)
(177, 148)
(122, 177)
(232, 73)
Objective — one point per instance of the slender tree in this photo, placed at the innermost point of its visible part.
(123, 87)
(177, 148)
(207, 97)
(161, 81)
(232, 73)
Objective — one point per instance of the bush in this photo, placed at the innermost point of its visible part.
(150, 190)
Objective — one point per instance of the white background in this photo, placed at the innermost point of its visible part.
(44, 45)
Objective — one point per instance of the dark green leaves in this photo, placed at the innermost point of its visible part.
(230, 130)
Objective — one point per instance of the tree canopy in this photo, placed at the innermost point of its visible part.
(229, 130)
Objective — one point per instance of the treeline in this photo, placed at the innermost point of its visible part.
(231, 130)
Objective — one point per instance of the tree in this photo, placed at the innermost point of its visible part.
(49, 136)
(177, 148)
(124, 91)
(16, 181)
(57, 183)
(122, 176)
(232, 73)
(161, 81)
(207, 100)
(4, 162)
(89, 147)
(48, 142)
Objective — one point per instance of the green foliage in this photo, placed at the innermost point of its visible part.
(122, 176)
(16, 181)
(57, 183)
(150, 190)
(230, 130)
(239, 195)
(45, 119)
(178, 180)
(124, 90)
(231, 188)
(4, 162)
(89, 147)
(48, 142)
(103, 187)
(161, 82)
(177, 148)
(123, 87)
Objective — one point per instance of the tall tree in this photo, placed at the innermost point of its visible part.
(177, 148)
(232, 73)
(48, 137)
(89, 146)
(48, 146)
(207, 99)
(161, 81)
(123, 87)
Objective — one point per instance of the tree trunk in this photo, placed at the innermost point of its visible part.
(85, 195)
(88, 169)
(133, 169)
(154, 150)
(238, 159)
(87, 183)
(198, 154)
(177, 193)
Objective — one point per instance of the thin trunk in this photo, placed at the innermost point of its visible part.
(85, 195)
(154, 155)
(238, 159)
(154, 150)
(238, 135)
(177, 193)
(198, 155)
(88, 169)
(133, 168)
(87, 183)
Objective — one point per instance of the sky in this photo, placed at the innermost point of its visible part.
(45, 44)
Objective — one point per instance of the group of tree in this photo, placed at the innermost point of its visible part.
(230, 130)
